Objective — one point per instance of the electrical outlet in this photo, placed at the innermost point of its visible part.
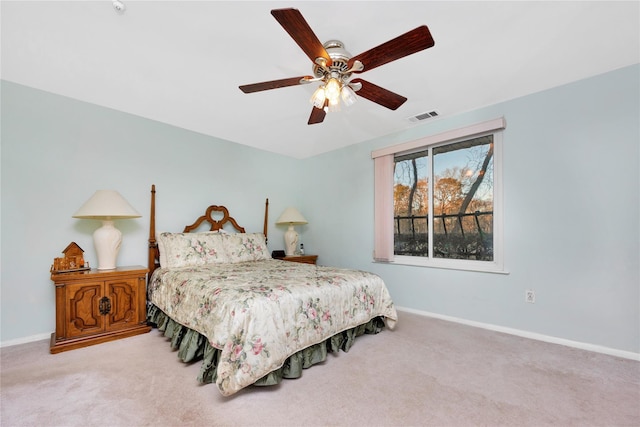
(530, 296)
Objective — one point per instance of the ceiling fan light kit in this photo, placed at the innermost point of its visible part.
(333, 66)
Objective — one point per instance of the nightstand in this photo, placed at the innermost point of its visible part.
(305, 259)
(97, 306)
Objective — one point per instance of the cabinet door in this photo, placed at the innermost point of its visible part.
(123, 294)
(82, 308)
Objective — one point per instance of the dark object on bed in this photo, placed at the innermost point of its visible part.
(277, 254)
(252, 319)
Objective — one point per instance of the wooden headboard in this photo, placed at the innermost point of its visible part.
(215, 224)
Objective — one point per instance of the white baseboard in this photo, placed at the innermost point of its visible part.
(531, 335)
(525, 334)
(25, 340)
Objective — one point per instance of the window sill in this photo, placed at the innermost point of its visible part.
(460, 265)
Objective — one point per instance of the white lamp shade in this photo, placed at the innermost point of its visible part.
(106, 204)
(291, 216)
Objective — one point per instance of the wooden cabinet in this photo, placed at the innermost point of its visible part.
(306, 259)
(96, 306)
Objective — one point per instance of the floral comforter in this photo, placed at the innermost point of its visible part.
(258, 313)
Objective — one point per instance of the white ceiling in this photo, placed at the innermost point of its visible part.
(181, 62)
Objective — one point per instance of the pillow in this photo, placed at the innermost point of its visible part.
(243, 247)
(163, 257)
(184, 249)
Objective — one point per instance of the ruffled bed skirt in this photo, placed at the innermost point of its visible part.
(193, 346)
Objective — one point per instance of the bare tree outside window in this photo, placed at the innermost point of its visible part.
(461, 201)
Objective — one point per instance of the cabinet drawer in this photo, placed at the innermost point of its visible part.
(123, 297)
(82, 308)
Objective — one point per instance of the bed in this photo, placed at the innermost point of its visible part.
(219, 298)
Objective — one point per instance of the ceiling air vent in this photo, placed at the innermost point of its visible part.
(424, 116)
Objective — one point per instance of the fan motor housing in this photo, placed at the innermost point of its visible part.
(339, 61)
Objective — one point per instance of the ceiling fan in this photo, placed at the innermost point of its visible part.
(334, 67)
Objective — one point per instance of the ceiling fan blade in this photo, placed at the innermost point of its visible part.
(414, 41)
(379, 95)
(317, 115)
(300, 31)
(274, 84)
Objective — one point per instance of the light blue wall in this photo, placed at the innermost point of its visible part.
(572, 196)
(56, 152)
(572, 232)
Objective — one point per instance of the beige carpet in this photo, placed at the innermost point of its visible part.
(427, 372)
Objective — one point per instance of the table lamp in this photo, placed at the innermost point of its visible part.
(292, 217)
(107, 206)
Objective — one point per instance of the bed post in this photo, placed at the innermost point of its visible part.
(266, 218)
(153, 245)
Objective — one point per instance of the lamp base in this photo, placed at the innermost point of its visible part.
(107, 240)
(290, 241)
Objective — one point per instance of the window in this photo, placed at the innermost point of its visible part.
(439, 200)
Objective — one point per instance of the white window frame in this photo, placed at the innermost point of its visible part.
(383, 214)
